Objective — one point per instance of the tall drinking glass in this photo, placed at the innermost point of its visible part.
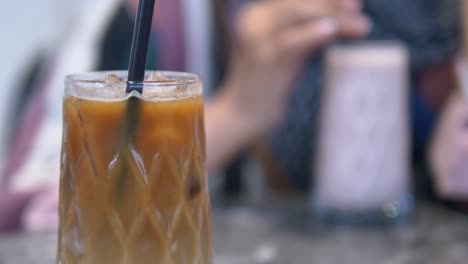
(363, 170)
(138, 200)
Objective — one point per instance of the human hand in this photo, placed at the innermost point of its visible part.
(275, 38)
(449, 151)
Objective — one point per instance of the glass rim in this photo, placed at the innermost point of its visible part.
(175, 78)
(368, 53)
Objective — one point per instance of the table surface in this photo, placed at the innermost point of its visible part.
(283, 234)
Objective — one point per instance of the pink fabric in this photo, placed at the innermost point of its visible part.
(168, 24)
(35, 210)
(27, 131)
(41, 213)
(13, 204)
(11, 210)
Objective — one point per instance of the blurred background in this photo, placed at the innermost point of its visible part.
(38, 25)
(346, 119)
(23, 43)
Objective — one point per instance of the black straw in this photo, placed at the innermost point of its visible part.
(140, 43)
(136, 76)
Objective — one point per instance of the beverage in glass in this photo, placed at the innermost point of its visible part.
(140, 195)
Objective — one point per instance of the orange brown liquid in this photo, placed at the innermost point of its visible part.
(138, 201)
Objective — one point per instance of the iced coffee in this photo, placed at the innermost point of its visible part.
(134, 199)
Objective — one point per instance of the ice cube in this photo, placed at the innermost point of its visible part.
(112, 78)
(157, 77)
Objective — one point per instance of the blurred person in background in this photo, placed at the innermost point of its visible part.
(430, 30)
(251, 61)
(263, 73)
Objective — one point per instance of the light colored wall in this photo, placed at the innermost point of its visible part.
(27, 27)
(24, 28)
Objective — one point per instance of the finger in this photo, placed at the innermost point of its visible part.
(305, 38)
(352, 6)
(287, 13)
(262, 20)
(353, 26)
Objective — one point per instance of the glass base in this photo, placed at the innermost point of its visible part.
(389, 213)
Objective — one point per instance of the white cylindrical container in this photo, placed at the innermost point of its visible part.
(362, 167)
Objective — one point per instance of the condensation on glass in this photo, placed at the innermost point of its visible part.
(138, 200)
